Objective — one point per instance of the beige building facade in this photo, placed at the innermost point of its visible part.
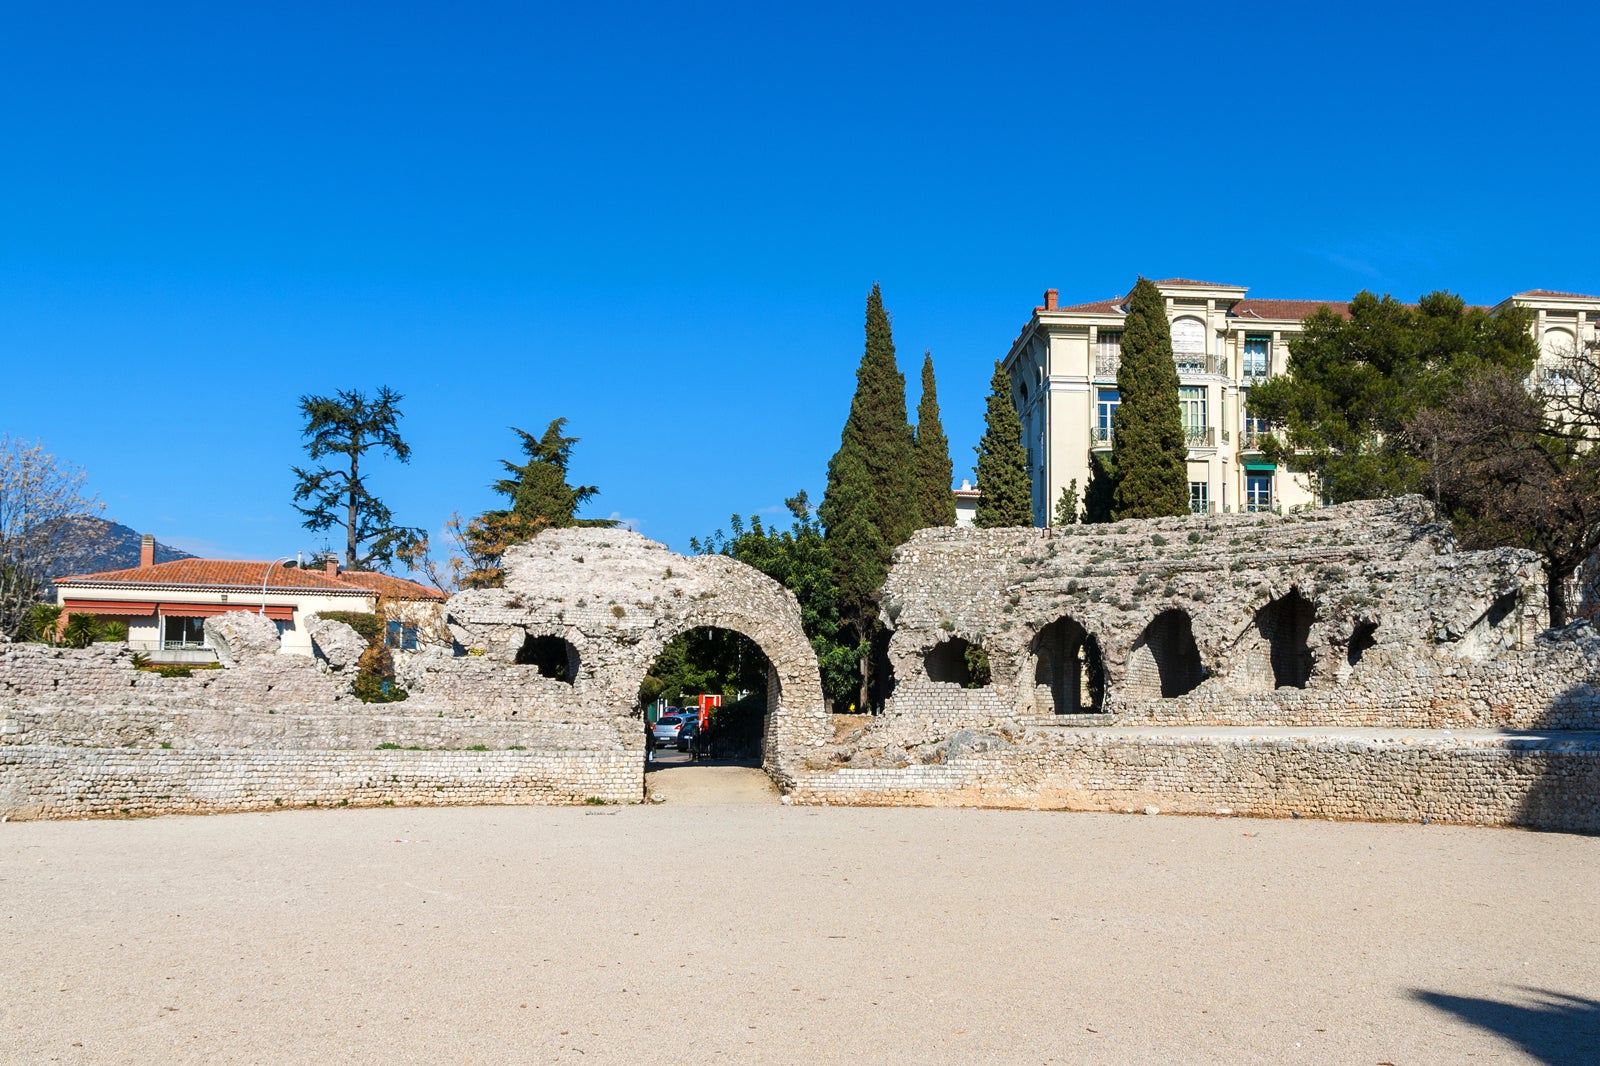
(1063, 371)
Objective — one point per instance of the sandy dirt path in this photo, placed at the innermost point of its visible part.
(773, 934)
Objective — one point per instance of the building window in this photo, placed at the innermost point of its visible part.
(402, 635)
(1192, 403)
(1255, 427)
(1257, 355)
(182, 633)
(1189, 345)
(1108, 352)
(1258, 492)
(1199, 497)
(1105, 414)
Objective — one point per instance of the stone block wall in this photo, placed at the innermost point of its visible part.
(1120, 657)
(1542, 782)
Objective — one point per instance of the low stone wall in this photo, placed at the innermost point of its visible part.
(53, 782)
(1551, 781)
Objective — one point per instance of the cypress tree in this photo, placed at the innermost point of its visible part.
(869, 507)
(1148, 451)
(1006, 491)
(936, 500)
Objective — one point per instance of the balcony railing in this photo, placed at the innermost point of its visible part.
(1253, 371)
(1196, 363)
(1100, 436)
(173, 651)
(1254, 440)
(1200, 436)
(1106, 364)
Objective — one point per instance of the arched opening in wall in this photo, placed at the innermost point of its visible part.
(1165, 661)
(958, 662)
(1069, 671)
(719, 663)
(882, 677)
(553, 656)
(1285, 624)
(1363, 637)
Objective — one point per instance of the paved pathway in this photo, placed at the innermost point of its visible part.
(674, 779)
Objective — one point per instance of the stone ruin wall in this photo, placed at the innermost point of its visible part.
(1360, 615)
(1272, 637)
(1392, 631)
(83, 732)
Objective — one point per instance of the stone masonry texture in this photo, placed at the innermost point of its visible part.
(1349, 662)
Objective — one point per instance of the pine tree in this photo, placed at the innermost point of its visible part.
(1005, 490)
(869, 508)
(936, 500)
(348, 425)
(540, 499)
(1148, 450)
(538, 490)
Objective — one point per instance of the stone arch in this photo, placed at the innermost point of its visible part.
(794, 717)
(946, 662)
(619, 598)
(1069, 669)
(1275, 651)
(1165, 661)
(555, 657)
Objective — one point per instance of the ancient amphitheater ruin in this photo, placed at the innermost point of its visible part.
(1350, 662)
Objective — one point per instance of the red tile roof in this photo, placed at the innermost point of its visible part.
(1098, 307)
(217, 572)
(1292, 310)
(1551, 293)
(390, 587)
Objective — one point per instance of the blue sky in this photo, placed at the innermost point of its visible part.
(662, 222)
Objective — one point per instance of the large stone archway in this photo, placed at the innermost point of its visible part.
(621, 598)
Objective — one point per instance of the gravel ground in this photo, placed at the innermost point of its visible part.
(761, 933)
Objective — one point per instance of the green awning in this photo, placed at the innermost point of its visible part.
(1258, 467)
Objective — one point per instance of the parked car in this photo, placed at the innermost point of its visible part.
(687, 732)
(666, 729)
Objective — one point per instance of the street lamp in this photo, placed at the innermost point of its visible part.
(268, 576)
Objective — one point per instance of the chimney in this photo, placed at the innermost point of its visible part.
(1050, 298)
(147, 550)
(332, 567)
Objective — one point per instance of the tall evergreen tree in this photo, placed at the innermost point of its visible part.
(540, 499)
(1005, 489)
(935, 498)
(869, 507)
(1099, 496)
(1148, 450)
(348, 425)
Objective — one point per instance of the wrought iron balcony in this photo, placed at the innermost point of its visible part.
(1106, 364)
(1100, 436)
(1196, 363)
(1200, 436)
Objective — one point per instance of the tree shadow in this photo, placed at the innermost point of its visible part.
(1553, 1027)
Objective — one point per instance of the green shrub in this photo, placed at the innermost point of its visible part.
(372, 627)
(115, 631)
(39, 625)
(370, 688)
(82, 630)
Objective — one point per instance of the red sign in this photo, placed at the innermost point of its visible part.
(706, 703)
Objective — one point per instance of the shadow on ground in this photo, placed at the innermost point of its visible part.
(1554, 1028)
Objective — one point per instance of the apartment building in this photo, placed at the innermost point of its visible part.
(1063, 371)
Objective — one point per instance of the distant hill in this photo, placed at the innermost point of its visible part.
(87, 545)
